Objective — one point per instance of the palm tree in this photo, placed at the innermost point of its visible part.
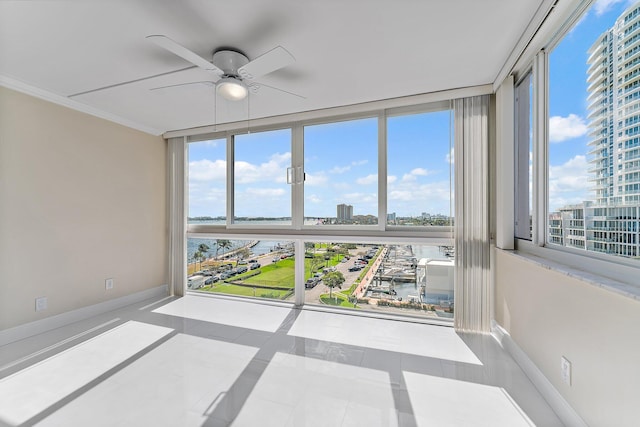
(204, 251)
(332, 280)
(222, 244)
(197, 256)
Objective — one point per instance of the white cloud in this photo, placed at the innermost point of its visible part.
(391, 179)
(563, 128)
(340, 169)
(274, 170)
(256, 201)
(568, 183)
(603, 6)
(343, 169)
(361, 198)
(450, 157)
(415, 173)
(315, 179)
(421, 172)
(410, 199)
(206, 170)
(369, 179)
(264, 192)
(313, 198)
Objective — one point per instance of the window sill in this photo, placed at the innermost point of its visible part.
(576, 272)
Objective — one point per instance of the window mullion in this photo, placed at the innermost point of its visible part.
(297, 187)
(540, 149)
(230, 179)
(382, 171)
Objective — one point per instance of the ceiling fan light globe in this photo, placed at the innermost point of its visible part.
(232, 89)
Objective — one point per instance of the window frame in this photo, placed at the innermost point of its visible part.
(297, 227)
(523, 142)
(592, 264)
(177, 170)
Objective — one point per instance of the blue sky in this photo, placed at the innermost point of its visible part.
(341, 163)
(568, 160)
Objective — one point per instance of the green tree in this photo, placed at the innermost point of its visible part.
(197, 256)
(315, 264)
(204, 251)
(332, 280)
(222, 244)
(243, 253)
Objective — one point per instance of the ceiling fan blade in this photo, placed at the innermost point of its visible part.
(184, 53)
(255, 87)
(206, 83)
(86, 92)
(264, 64)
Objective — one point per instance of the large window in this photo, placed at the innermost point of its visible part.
(261, 191)
(594, 108)
(419, 160)
(249, 268)
(255, 199)
(341, 168)
(207, 172)
(403, 278)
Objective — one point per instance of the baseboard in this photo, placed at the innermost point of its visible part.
(39, 326)
(565, 412)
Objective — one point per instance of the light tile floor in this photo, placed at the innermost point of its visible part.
(207, 361)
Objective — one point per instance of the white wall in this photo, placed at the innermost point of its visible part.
(549, 315)
(81, 200)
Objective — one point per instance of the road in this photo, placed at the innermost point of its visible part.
(312, 296)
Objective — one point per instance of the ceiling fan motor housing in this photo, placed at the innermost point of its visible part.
(229, 61)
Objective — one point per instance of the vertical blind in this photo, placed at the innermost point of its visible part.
(472, 279)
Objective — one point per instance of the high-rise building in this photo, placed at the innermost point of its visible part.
(345, 212)
(614, 112)
(610, 222)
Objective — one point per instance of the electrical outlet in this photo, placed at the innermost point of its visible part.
(565, 370)
(108, 284)
(41, 303)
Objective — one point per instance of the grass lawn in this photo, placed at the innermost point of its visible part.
(279, 273)
(349, 291)
(225, 288)
(337, 299)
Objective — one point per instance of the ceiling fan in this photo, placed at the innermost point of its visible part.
(232, 73)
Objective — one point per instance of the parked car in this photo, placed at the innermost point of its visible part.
(242, 269)
(254, 265)
(355, 268)
(243, 262)
(311, 282)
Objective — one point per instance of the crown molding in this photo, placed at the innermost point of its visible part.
(17, 85)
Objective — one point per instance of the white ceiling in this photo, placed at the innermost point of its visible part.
(347, 52)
